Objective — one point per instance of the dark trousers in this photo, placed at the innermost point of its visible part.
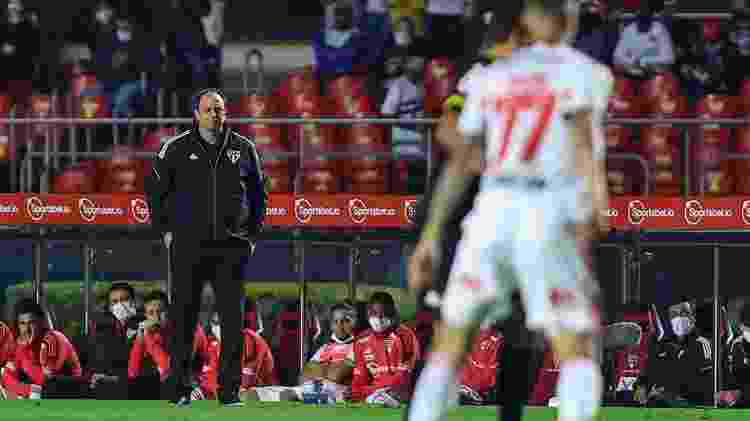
(195, 264)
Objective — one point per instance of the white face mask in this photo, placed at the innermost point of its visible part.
(682, 325)
(123, 310)
(216, 331)
(380, 324)
(402, 38)
(124, 35)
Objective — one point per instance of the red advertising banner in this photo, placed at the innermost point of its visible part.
(364, 211)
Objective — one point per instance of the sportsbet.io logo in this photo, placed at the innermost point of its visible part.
(357, 211)
(35, 208)
(638, 212)
(302, 210)
(695, 212)
(410, 210)
(745, 212)
(87, 209)
(140, 211)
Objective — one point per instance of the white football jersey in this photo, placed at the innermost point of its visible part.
(522, 107)
(602, 84)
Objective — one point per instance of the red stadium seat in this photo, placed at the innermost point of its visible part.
(624, 102)
(744, 98)
(669, 106)
(41, 106)
(122, 174)
(279, 180)
(710, 145)
(441, 78)
(6, 102)
(77, 179)
(742, 166)
(624, 175)
(663, 84)
(318, 181)
(712, 29)
(153, 140)
(300, 82)
(91, 106)
(258, 106)
(660, 147)
(345, 91)
(399, 177)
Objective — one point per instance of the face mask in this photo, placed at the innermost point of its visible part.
(380, 324)
(216, 331)
(682, 325)
(123, 310)
(402, 38)
(124, 35)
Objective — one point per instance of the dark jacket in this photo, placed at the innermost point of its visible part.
(197, 198)
(23, 47)
(739, 370)
(684, 368)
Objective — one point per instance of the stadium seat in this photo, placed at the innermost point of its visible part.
(440, 82)
(660, 147)
(91, 106)
(299, 82)
(712, 29)
(744, 98)
(258, 106)
(742, 166)
(279, 180)
(663, 84)
(711, 143)
(624, 102)
(399, 177)
(80, 179)
(344, 92)
(624, 176)
(42, 106)
(668, 106)
(121, 174)
(153, 140)
(318, 181)
(5, 106)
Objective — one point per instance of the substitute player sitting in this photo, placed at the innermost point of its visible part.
(535, 114)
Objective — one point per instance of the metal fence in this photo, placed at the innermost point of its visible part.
(51, 153)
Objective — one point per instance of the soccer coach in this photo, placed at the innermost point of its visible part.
(207, 198)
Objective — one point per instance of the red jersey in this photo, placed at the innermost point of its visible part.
(152, 345)
(51, 355)
(7, 344)
(384, 360)
(480, 371)
(546, 382)
(257, 363)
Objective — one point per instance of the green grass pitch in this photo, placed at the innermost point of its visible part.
(81, 410)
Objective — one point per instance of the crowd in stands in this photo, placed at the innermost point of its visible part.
(359, 352)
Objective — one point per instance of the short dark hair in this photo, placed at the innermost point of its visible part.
(384, 298)
(156, 295)
(121, 286)
(196, 101)
(28, 305)
(506, 17)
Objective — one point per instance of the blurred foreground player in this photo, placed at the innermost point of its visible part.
(519, 359)
(535, 111)
(207, 197)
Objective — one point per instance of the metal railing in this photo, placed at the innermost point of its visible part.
(51, 155)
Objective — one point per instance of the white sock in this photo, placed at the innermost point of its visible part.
(580, 390)
(432, 395)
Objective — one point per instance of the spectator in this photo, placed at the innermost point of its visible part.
(45, 364)
(257, 363)
(596, 37)
(405, 98)
(384, 356)
(110, 341)
(20, 50)
(702, 65)
(213, 30)
(645, 46)
(413, 10)
(331, 364)
(737, 392)
(479, 375)
(121, 55)
(680, 367)
(341, 50)
(738, 56)
(377, 20)
(7, 344)
(445, 27)
(149, 356)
